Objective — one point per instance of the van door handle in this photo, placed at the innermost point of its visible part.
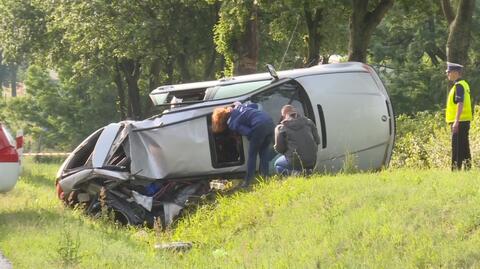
(323, 128)
(384, 118)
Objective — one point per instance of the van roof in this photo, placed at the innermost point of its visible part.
(294, 73)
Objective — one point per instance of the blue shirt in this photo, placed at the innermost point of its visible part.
(244, 119)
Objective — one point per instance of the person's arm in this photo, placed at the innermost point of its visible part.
(457, 117)
(314, 130)
(280, 140)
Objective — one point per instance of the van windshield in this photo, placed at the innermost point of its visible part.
(227, 91)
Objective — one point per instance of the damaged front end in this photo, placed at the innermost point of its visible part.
(97, 176)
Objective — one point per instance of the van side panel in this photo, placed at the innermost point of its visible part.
(177, 150)
(356, 119)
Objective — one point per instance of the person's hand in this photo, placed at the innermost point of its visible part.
(236, 103)
(455, 127)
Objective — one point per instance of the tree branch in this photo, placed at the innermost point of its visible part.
(465, 9)
(360, 6)
(448, 11)
(375, 17)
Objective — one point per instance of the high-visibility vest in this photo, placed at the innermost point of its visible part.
(451, 110)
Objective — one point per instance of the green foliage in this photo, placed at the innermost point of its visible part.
(234, 16)
(22, 30)
(350, 165)
(68, 249)
(280, 19)
(58, 114)
(424, 141)
(88, 44)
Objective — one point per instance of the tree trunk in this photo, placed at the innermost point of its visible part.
(122, 107)
(14, 69)
(131, 71)
(212, 60)
(210, 67)
(325, 58)
(362, 25)
(153, 82)
(433, 51)
(183, 65)
(246, 47)
(169, 69)
(313, 21)
(459, 26)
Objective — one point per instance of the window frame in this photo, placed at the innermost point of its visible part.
(213, 149)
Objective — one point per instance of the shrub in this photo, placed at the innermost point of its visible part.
(423, 141)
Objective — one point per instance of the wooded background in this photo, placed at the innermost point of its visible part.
(85, 64)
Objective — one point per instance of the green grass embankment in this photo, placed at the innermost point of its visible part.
(391, 219)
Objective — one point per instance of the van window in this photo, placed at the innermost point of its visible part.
(226, 149)
(288, 93)
(227, 91)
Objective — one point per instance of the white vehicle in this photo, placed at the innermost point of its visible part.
(10, 152)
(171, 157)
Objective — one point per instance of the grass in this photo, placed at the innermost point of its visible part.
(392, 219)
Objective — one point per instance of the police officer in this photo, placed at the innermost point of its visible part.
(459, 115)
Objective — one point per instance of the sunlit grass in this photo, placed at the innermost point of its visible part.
(390, 219)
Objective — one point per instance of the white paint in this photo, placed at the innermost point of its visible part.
(104, 143)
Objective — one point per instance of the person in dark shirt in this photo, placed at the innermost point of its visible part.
(296, 137)
(256, 125)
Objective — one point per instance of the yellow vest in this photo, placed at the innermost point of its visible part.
(451, 110)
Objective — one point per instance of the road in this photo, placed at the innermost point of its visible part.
(4, 263)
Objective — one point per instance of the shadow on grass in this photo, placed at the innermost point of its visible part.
(38, 180)
(26, 220)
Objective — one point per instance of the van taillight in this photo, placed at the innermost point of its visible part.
(8, 155)
(60, 193)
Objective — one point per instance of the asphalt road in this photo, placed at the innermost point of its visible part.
(4, 263)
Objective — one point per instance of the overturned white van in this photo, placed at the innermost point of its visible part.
(154, 166)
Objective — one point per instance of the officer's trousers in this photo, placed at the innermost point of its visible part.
(461, 147)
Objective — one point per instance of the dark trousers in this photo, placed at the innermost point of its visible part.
(260, 140)
(461, 147)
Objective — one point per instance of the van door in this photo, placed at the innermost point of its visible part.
(356, 118)
(273, 99)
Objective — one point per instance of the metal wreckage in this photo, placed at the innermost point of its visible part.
(142, 170)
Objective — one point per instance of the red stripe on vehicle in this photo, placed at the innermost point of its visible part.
(8, 155)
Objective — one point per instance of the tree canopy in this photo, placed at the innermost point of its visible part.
(88, 63)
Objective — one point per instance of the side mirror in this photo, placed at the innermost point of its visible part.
(272, 71)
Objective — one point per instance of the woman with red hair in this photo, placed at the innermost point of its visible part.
(256, 125)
